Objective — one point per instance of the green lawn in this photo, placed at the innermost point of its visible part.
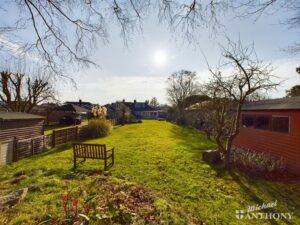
(48, 129)
(161, 156)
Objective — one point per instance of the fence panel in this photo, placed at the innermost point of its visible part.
(24, 148)
(6, 152)
(31, 146)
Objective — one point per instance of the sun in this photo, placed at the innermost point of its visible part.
(160, 58)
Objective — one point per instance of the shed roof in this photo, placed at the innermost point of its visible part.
(292, 103)
(8, 116)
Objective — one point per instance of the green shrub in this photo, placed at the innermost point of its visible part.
(127, 118)
(257, 161)
(98, 128)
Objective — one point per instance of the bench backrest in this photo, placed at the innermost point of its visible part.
(92, 151)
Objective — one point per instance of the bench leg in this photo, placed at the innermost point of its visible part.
(74, 162)
(105, 164)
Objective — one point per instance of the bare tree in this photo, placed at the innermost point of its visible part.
(181, 85)
(154, 103)
(254, 8)
(64, 33)
(228, 93)
(21, 93)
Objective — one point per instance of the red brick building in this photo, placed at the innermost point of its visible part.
(272, 126)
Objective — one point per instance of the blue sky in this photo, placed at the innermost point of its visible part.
(132, 73)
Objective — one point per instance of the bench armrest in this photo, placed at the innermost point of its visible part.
(110, 150)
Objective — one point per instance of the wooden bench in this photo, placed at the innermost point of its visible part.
(93, 151)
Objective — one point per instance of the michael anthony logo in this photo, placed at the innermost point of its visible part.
(253, 212)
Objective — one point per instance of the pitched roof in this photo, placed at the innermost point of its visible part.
(274, 104)
(87, 105)
(7, 116)
(139, 106)
(72, 108)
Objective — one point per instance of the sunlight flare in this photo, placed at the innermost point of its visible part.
(160, 58)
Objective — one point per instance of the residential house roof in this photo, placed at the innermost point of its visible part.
(86, 105)
(9, 116)
(72, 108)
(45, 107)
(139, 106)
(292, 103)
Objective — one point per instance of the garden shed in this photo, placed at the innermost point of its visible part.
(19, 125)
(272, 126)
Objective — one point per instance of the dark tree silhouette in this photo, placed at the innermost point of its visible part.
(20, 92)
(294, 91)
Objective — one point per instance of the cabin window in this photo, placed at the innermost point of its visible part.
(281, 124)
(262, 122)
(247, 121)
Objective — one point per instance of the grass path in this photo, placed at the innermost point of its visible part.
(161, 156)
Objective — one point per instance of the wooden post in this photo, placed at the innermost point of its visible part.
(53, 138)
(15, 149)
(76, 133)
(44, 144)
(67, 134)
(105, 160)
(32, 147)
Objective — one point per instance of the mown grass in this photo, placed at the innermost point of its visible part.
(48, 129)
(158, 155)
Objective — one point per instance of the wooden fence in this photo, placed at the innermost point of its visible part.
(6, 152)
(16, 149)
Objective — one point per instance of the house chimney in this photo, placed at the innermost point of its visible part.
(123, 100)
(80, 101)
(134, 101)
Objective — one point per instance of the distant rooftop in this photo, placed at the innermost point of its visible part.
(274, 104)
(72, 108)
(7, 116)
(87, 105)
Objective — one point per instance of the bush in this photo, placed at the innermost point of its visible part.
(98, 128)
(257, 161)
(127, 118)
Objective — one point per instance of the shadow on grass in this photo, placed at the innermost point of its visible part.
(268, 189)
(57, 149)
(65, 146)
(192, 141)
(196, 142)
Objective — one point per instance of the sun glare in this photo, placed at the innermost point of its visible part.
(160, 58)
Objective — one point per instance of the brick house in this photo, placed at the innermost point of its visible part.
(272, 126)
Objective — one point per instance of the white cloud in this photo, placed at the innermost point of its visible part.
(15, 48)
(111, 88)
(114, 88)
